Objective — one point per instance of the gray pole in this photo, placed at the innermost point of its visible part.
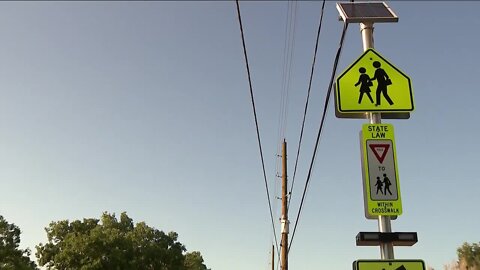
(384, 222)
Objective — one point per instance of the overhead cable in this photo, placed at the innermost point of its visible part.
(288, 51)
(320, 129)
(306, 102)
(256, 124)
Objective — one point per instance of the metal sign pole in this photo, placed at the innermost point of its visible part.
(384, 222)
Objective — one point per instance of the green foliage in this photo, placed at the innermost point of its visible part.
(194, 261)
(11, 257)
(469, 256)
(110, 243)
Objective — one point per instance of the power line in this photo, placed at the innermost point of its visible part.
(306, 103)
(325, 107)
(288, 51)
(289, 48)
(256, 123)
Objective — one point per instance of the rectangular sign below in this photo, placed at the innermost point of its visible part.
(380, 176)
(388, 265)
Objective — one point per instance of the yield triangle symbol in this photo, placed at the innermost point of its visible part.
(380, 151)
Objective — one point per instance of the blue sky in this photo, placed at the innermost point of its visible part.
(144, 107)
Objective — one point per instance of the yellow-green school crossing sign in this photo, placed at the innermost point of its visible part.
(373, 84)
(388, 265)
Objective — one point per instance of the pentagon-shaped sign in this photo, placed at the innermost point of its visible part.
(373, 84)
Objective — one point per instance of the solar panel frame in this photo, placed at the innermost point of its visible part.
(361, 12)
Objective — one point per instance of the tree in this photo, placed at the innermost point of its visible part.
(453, 265)
(11, 256)
(194, 261)
(469, 256)
(109, 243)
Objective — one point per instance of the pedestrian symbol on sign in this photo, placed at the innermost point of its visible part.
(383, 81)
(387, 184)
(379, 185)
(365, 82)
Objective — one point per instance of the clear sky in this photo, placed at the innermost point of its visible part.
(144, 107)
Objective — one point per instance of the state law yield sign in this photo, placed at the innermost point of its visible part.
(373, 84)
(388, 265)
(380, 175)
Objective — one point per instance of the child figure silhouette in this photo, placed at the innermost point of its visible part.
(365, 83)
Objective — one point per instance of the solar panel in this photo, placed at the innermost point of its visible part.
(358, 12)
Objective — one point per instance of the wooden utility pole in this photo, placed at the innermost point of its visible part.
(273, 257)
(284, 220)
